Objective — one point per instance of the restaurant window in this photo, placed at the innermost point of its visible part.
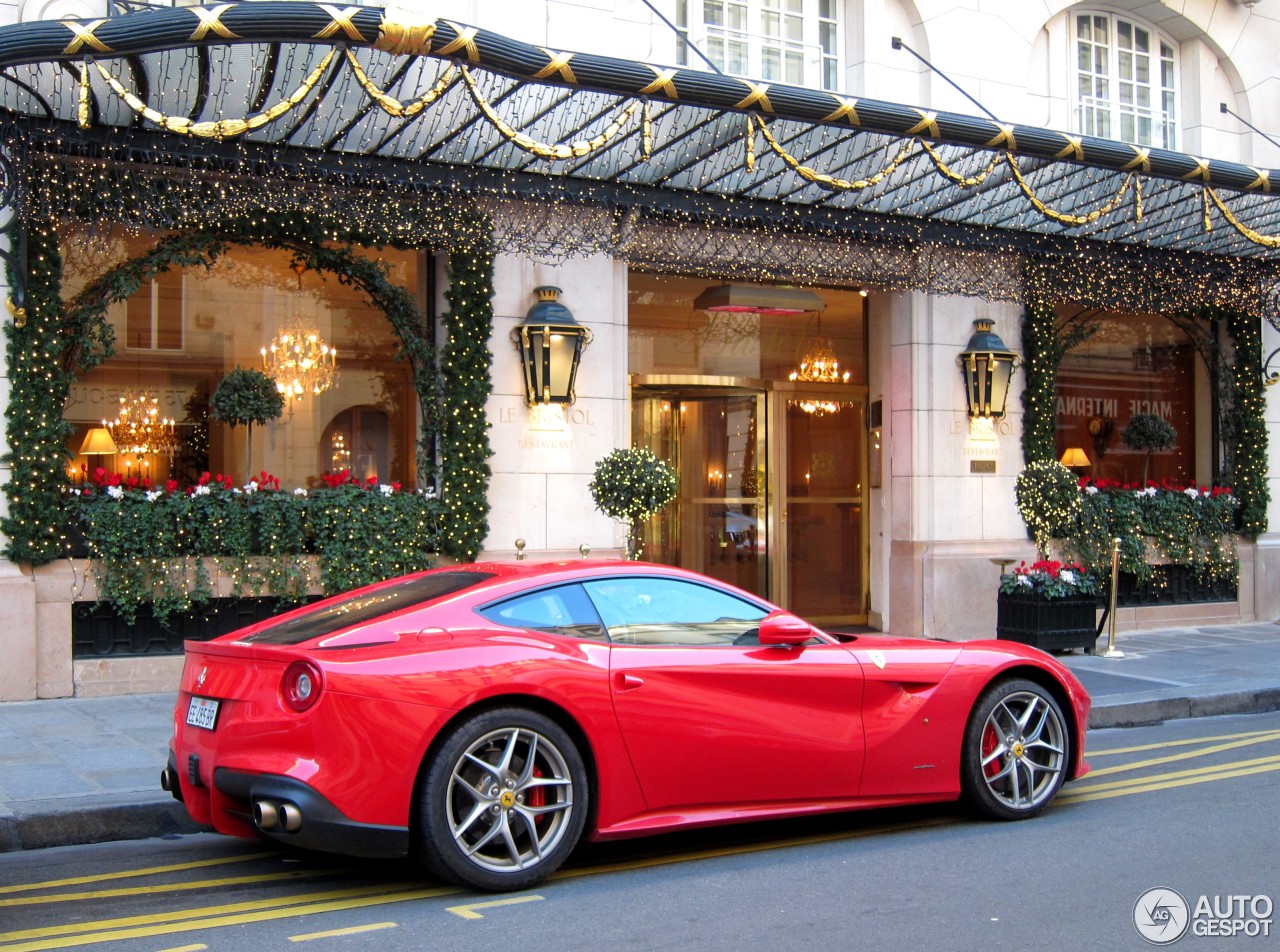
(180, 334)
(784, 41)
(1131, 365)
(1126, 81)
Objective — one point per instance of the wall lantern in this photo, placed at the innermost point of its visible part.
(550, 342)
(987, 366)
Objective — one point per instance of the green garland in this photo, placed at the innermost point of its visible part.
(1248, 426)
(464, 428)
(58, 341)
(1041, 353)
(39, 386)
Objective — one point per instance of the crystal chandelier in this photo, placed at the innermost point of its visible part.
(300, 362)
(139, 429)
(819, 365)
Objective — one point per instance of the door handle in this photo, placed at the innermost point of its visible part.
(628, 682)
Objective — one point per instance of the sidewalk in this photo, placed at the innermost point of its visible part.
(83, 770)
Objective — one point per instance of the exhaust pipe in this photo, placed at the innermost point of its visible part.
(290, 818)
(266, 815)
(167, 780)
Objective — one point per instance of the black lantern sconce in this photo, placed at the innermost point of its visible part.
(987, 366)
(550, 342)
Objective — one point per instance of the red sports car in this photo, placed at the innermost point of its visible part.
(484, 716)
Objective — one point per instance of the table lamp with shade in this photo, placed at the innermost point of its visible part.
(98, 443)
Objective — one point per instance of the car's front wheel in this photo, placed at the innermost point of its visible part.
(504, 801)
(1016, 750)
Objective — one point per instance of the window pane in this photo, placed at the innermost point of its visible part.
(713, 13)
(769, 24)
(771, 64)
(657, 611)
(827, 37)
(1142, 40)
(795, 29)
(737, 58)
(1083, 27)
(795, 68)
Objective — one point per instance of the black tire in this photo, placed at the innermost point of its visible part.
(504, 801)
(1017, 750)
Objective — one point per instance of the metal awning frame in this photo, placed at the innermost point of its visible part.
(700, 153)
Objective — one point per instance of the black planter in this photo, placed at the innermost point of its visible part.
(1050, 624)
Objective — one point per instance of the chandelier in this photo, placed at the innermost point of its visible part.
(139, 428)
(819, 365)
(300, 362)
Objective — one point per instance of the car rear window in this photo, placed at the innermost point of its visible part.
(362, 607)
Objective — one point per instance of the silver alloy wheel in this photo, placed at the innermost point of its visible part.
(1023, 750)
(510, 799)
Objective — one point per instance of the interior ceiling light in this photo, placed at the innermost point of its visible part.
(758, 299)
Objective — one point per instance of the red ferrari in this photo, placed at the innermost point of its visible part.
(485, 716)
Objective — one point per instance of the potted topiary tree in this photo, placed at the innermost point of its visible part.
(1148, 433)
(630, 486)
(1049, 604)
(246, 397)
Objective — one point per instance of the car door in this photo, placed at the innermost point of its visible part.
(712, 718)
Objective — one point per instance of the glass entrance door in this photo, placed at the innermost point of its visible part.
(823, 518)
(717, 444)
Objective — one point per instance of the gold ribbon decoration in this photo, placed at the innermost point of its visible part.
(82, 96)
(961, 180)
(558, 66)
(757, 96)
(664, 82)
(391, 105)
(1267, 241)
(340, 23)
(405, 39)
(211, 22)
(830, 181)
(465, 40)
(19, 314)
(1063, 217)
(542, 149)
(84, 36)
(847, 109)
(222, 128)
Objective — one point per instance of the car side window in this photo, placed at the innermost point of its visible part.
(665, 611)
(563, 610)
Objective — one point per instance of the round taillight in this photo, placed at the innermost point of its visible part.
(301, 686)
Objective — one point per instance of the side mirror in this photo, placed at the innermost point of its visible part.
(784, 629)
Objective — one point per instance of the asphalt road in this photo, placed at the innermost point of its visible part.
(1190, 806)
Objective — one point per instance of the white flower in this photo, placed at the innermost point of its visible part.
(1024, 580)
(251, 487)
(154, 494)
(299, 491)
(1067, 576)
(200, 491)
(1192, 492)
(1091, 490)
(386, 490)
(115, 492)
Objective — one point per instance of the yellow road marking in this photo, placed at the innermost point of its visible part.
(186, 948)
(169, 887)
(469, 911)
(223, 909)
(1186, 755)
(1268, 734)
(1160, 784)
(213, 922)
(1192, 772)
(350, 930)
(131, 873)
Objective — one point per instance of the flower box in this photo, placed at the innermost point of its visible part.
(1050, 624)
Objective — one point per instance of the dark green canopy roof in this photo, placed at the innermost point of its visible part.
(443, 102)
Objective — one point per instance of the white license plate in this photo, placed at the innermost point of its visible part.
(202, 712)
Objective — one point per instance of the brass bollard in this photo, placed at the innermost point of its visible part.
(584, 549)
(1112, 651)
(520, 544)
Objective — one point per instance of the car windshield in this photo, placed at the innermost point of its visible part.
(365, 606)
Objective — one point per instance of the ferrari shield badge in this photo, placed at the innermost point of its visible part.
(877, 658)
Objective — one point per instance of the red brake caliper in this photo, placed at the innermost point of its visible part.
(990, 741)
(537, 796)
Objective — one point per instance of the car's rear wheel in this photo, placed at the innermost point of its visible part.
(1016, 750)
(504, 801)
